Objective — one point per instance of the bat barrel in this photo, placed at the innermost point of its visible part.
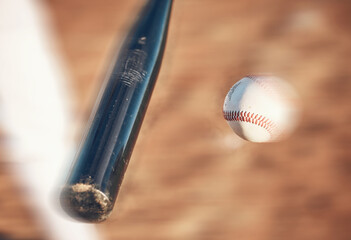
(97, 173)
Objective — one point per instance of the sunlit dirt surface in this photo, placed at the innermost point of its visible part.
(190, 177)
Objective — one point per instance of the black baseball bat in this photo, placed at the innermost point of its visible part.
(97, 172)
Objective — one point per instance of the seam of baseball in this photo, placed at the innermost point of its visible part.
(267, 87)
(256, 119)
(271, 88)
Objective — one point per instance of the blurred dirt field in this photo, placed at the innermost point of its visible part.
(190, 177)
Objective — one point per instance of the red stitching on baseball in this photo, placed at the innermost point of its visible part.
(243, 116)
(270, 84)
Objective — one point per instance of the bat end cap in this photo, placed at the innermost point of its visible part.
(85, 203)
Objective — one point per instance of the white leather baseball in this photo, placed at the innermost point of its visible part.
(261, 108)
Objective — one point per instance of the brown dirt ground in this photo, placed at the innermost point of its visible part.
(190, 177)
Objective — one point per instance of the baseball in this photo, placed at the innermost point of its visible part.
(261, 108)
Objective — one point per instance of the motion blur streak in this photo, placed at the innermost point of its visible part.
(34, 113)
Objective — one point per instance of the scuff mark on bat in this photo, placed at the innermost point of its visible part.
(132, 71)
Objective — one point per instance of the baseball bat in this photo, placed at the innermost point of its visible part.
(95, 179)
